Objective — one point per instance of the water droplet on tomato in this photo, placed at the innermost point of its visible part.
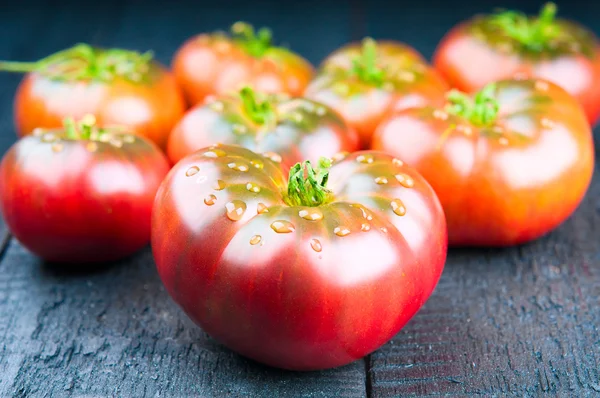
(316, 245)
(273, 156)
(440, 114)
(216, 106)
(338, 157)
(398, 207)
(397, 162)
(57, 147)
(219, 185)
(366, 159)
(297, 117)
(49, 137)
(466, 130)
(238, 166)
(384, 230)
(257, 164)
(282, 227)
(210, 200)
(312, 214)
(129, 138)
(235, 210)
(547, 123)
(405, 180)
(255, 240)
(365, 227)
(192, 170)
(214, 153)
(341, 231)
(541, 85)
(117, 143)
(261, 208)
(321, 111)
(239, 129)
(381, 180)
(252, 187)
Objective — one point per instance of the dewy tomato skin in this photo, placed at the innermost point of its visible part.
(509, 180)
(214, 64)
(293, 129)
(480, 51)
(295, 286)
(148, 103)
(80, 200)
(366, 81)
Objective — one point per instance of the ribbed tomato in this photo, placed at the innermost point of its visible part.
(512, 45)
(81, 194)
(310, 272)
(288, 129)
(365, 82)
(118, 87)
(508, 165)
(217, 63)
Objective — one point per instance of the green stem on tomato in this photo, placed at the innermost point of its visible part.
(481, 110)
(307, 186)
(259, 112)
(255, 43)
(84, 62)
(365, 65)
(83, 129)
(533, 33)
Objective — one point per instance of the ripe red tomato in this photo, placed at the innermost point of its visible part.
(291, 130)
(508, 166)
(511, 45)
(307, 274)
(118, 87)
(81, 194)
(365, 84)
(210, 64)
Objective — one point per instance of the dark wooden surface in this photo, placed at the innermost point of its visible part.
(516, 322)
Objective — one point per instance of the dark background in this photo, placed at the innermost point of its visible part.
(516, 322)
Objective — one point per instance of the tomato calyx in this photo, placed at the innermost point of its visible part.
(365, 65)
(261, 113)
(480, 110)
(83, 62)
(254, 43)
(307, 186)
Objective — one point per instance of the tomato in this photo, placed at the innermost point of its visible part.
(291, 130)
(512, 45)
(365, 84)
(81, 194)
(118, 87)
(307, 274)
(210, 64)
(508, 165)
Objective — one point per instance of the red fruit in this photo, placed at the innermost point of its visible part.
(290, 130)
(213, 64)
(508, 165)
(118, 87)
(307, 274)
(366, 83)
(81, 194)
(512, 45)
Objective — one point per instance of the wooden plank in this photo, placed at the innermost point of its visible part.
(520, 321)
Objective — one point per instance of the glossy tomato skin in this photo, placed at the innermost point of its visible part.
(72, 201)
(303, 130)
(472, 55)
(318, 287)
(508, 183)
(149, 109)
(409, 82)
(213, 64)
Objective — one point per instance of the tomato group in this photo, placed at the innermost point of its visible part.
(118, 87)
(510, 44)
(364, 82)
(211, 64)
(81, 194)
(508, 166)
(320, 270)
(289, 129)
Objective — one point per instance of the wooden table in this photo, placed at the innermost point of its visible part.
(516, 322)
